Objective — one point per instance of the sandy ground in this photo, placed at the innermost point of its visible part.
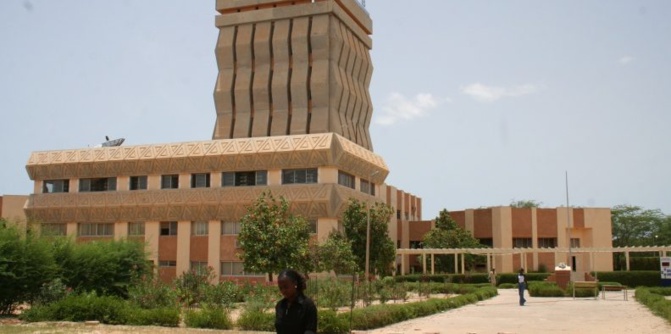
(502, 314)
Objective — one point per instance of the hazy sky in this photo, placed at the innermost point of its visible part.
(477, 103)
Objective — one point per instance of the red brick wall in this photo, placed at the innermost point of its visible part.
(199, 249)
(548, 259)
(227, 248)
(579, 218)
(521, 222)
(546, 223)
(482, 223)
(419, 229)
(459, 217)
(167, 248)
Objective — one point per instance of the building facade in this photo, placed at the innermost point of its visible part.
(533, 237)
(293, 111)
(11, 209)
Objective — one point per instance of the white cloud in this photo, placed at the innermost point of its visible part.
(399, 107)
(624, 60)
(485, 93)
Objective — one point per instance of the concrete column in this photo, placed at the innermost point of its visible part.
(213, 247)
(403, 271)
(534, 236)
(463, 263)
(183, 246)
(626, 257)
(152, 230)
(424, 263)
(456, 263)
(433, 264)
(120, 230)
(71, 229)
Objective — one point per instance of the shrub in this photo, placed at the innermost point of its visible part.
(208, 317)
(26, 264)
(224, 294)
(81, 307)
(330, 323)
(512, 277)
(653, 299)
(256, 320)
(631, 278)
(106, 267)
(150, 293)
(191, 285)
(166, 317)
(507, 286)
(545, 289)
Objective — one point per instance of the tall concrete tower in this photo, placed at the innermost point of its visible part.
(292, 68)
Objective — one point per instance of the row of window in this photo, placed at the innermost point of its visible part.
(228, 268)
(202, 180)
(198, 228)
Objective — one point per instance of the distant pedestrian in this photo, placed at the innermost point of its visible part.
(492, 277)
(295, 313)
(521, 285)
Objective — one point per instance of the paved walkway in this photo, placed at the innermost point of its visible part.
(502, 314)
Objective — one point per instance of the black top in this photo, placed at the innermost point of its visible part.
(299, 318)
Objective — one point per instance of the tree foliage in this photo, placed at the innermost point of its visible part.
(448, 234)
(635, 226)
(382, 251)
(272, 239)
(25, 265)
(336, 254)
(525, 204)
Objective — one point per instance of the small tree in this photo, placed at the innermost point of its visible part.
(448, 234)
(336, 254)
(272, 239)
(382, 251)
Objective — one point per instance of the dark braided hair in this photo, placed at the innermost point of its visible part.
(295, 277)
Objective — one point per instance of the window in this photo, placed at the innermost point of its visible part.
(299, 176)
(56, 186)
(199, 228)
(200, 180)
(168, 228)
(199, 267)
(313, 226)
(235, 269)
(95, 229)
(230, 227)
(135, 228)
(138, 183)
(242, 179)
(54, 229)
(170, 181)
(367, 187)
(97, 184)
(167, 263)
(522, 243)
(489, 242)
(575, 242)
(547, 242)
(345, 179)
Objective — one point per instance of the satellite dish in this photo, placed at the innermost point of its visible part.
(113, 142)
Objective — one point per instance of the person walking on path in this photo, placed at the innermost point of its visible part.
(295, 313)
(521, 285)
(492, 277)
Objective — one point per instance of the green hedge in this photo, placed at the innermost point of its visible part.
(653, 298)
(208, 317)
(445, 278)
(512, 277)
(631, 279)
(106, 309)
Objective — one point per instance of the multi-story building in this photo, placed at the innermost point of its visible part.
(11, 209)
(533, 237)
(293, 112)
